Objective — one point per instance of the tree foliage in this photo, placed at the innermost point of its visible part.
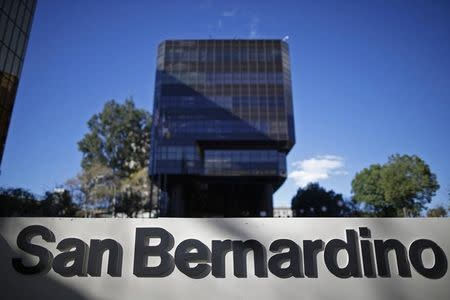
(18, 202)
(98, 184)
(58, 204)
(315, 201)
(134, 193)
(116, 157)
(402, 186)
(437, 212)
(118, 137)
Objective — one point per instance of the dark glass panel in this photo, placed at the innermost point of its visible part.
(9, 62)
(7, 6)
(20, 15)
(16, 66)
(8, 34)
(3, 22)
(26, 21)
(15, 38)
(14, 9)
(3, 54)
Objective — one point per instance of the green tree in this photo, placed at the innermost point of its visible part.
(116, 157)
(18, 202)
(315, 201)
(401, 187)
(135, 193)
(58, 204)
(437, 212)
(74, 187)
(98, 184)
(118, 138)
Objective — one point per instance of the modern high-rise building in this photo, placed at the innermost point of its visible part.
(223, 125)
(15, 25)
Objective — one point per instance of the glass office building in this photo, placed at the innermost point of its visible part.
(223, 125)
(15, 24)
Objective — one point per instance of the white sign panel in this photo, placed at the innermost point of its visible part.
(264, 258)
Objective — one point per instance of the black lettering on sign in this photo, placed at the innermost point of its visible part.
(293, 256)
(73, 259)
(143, 251)
(439, 268)
(24, 243)
(353, 267)
(184, 256)
(115, 257)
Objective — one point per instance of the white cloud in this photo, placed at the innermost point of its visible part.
(317, 168)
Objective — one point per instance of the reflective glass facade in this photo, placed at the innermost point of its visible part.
(244, 162)
(15, 23)
(222, 109)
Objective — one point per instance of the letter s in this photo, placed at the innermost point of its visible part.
(24, 243)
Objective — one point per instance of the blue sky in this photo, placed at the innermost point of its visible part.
(370, 79)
